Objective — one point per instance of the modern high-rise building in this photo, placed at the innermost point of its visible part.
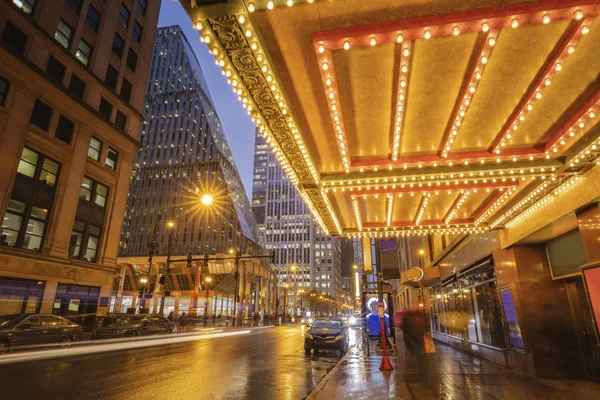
(72, 81)
(184, 156)
(304, 256)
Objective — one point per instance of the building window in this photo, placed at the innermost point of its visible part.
(56, 70)
(25, 220)
(25, 5)
(63, 33)
(64, 129)
(84, 241)
(4, 86)
(74, 5)
(124, 16)
(105, 109)
(126, 89)
(92, 20)
(94, 149)
(84, 52)
(111, 158)
(132, 59)
(40, 116)
(120, 120)
(77, 86)
(111, 77)
(14, 38)
(118, 45)
(90, 189)
(85, 237)
(142, 6)
(137, 31)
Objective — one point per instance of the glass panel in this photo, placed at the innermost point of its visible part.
(79, 226)
(75, 244)
(101, 193)
(11, 225)
(94, 149)
(40, 213)
(25, 5)
(510, 313)
(28, 162)
(94, 230)
(92, 247)
(16, 205)
(468, 303)
(83, 52)
(490, 318)
(85, 192)
(33, 235)
(49, 172)
(63, 34)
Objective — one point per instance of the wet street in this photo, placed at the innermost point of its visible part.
(263, 364)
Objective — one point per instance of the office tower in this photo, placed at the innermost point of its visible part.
(304, 256)
(72, 83)
(184, 157)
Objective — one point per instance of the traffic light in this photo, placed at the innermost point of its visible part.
(189, 260)
(272, 256)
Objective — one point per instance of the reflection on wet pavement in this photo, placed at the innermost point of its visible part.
(265, 364)
(446, 374)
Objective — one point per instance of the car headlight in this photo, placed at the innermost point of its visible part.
(308, 335)
(310, 320)
(339, 337)
(352, 320)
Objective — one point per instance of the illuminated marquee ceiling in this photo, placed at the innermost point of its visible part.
(396, 117)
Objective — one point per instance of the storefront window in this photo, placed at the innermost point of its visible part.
(510, 313)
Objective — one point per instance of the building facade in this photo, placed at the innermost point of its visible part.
(305, 258)
(184, 157)
(72, 82)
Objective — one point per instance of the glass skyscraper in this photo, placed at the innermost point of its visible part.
(286, 226)
(184, 155)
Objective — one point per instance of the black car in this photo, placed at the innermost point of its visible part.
(36, 329)
(136, 325)
(326, 334)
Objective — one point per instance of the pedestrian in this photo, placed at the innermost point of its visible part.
(170, 317)
(182, 322)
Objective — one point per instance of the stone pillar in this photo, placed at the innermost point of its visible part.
(49, 295)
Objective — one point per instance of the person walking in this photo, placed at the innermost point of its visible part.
(170, 317)
(182, 322)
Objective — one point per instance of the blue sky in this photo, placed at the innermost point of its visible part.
(236, 122)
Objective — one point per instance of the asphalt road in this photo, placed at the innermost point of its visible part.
(264, 364)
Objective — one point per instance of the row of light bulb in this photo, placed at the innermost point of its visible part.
(395, 232)
(580, 124)
(542, 188)
(401, 99)
(587, 154)
(496, 205)
(422, 208)
(314, 212)
(390, 207)
(325, 199)
(543, 201)
(535, 93)
(469, 90)
(461, 199)
(251, 5)
(335, 112)
(247, 102)
(356, 209)
(476, 176)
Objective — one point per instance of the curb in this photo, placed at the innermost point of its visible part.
(315, 392)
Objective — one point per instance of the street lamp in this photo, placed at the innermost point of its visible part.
(421, 254)
(207, 199)
(207, 280)
(301, 292)
(143, 281)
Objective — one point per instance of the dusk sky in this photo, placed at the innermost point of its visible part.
(236, 122)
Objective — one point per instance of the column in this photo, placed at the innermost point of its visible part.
(49, 295)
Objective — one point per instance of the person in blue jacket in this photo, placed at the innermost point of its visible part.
(373, 319)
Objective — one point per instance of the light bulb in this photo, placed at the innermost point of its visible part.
(248, 33)
(492, 41)
(485, 27)
(455, 31)
(321, 48)
(558, 66)
(585, 30)
(198, 25)
(270, 5)
(346, 45)
(484, 60)
(427, 34)
(251, 7)
(399, 38)
(546, 19)
(514, 23)
(578, 15)
(405, 52)
(372, 41)
(570, 49)
(325, 66)
(290, 3)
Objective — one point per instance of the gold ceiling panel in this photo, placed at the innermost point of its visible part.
(373, 209)
(438, 205)
(514, 62)
(438, 67)
(570, 88)
(364, 77)
(339, 201)
(472, 203)
(405, 207)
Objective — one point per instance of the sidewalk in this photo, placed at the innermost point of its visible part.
(451, 374)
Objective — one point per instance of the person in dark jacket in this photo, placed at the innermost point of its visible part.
(170, 317)
(182, 322)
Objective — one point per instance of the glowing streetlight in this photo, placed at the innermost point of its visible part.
(170, 224)
(421, 251)
(207, 199)
(230, 251)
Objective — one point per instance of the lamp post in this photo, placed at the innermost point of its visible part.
(207, 280)
(153, 246)
(144, 282)
(421, 256)
(293, 269)
(163, 280)
(285, 287)
(301, 293)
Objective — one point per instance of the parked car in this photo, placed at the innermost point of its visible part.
(114, 318)
(36, 329)
(326, 333)
(136, 325)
